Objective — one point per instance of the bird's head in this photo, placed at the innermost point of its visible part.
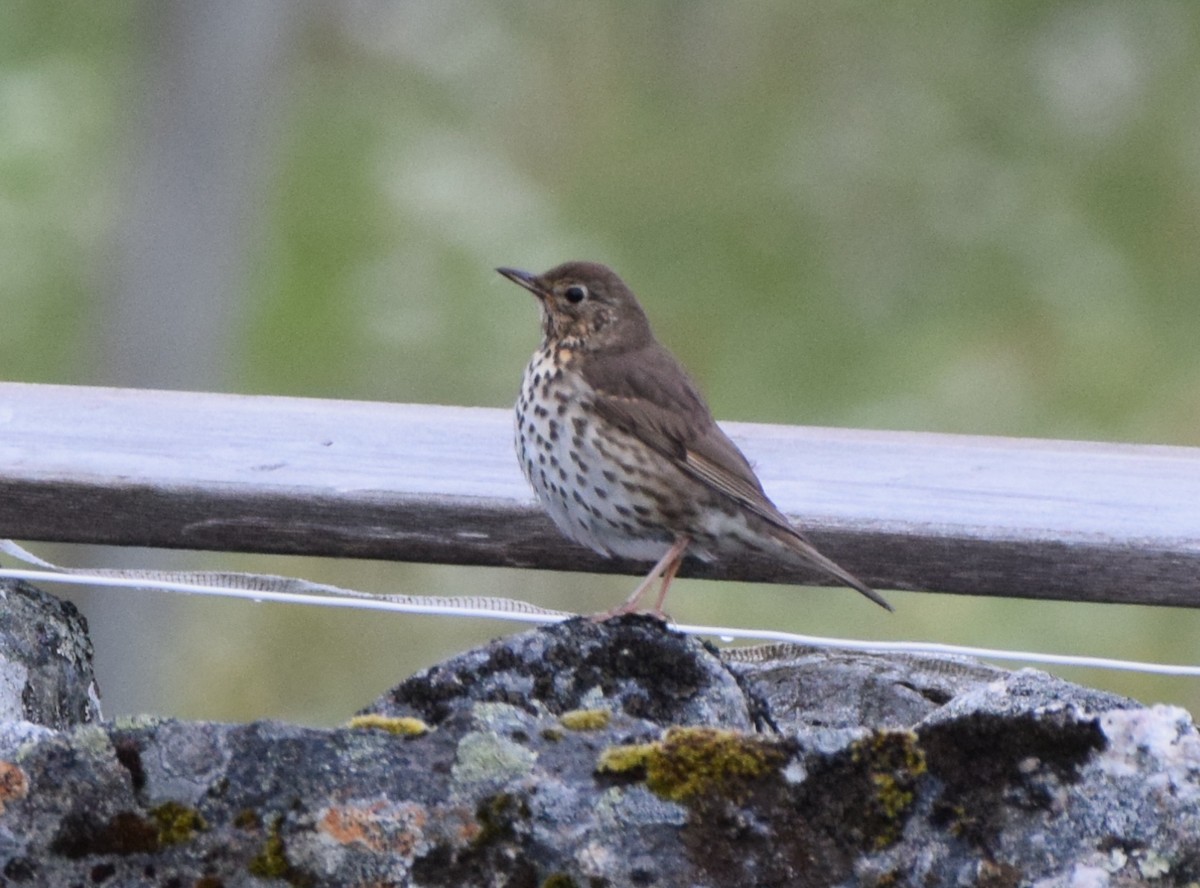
(585, 305)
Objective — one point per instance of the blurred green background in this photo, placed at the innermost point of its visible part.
(974, 217)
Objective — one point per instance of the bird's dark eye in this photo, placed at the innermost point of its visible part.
(575, 293)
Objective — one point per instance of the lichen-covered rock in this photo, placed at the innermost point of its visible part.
(45, 660)
(622, 754)
(629, 666)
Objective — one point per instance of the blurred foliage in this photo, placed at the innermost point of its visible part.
(961, 217)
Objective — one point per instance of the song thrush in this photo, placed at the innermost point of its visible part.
(623, 451)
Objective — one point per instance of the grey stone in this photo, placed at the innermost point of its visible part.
(622, 754)
(45, 660)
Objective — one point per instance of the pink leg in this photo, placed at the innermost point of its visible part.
(666, 568)
(668, 575)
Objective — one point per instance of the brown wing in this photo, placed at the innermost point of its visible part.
(649, 395)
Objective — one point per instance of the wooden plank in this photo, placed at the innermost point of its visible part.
(975, 515)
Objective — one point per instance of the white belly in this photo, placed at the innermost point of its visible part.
(587, 495)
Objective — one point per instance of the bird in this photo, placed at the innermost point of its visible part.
(622, 450)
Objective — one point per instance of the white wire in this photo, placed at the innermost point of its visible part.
(446, 608)
(266, 595)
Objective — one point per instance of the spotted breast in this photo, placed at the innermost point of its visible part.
(592, 486)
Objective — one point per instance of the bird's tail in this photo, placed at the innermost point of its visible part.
(795, 541)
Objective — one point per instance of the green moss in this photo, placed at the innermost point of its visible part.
(272, 861)
(895, 750)
(585, 719)
(892, 761)
(559, 880)
(403, 726)
(626, 761)
(893, 799)
(693, 761)
(176, 823)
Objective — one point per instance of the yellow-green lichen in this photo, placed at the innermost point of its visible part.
(123, 723)
(403, 726)
(559, 880)
(484, 757)
(585, 719)
(892, 796)
(894, 750)
(692, 761)
(1152, 864)
(629, 760)
(893, 761)
(176, 823)
(93, 739)
(271, 862)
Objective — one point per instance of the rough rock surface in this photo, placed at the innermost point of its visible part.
(625, 755)
(45, 660)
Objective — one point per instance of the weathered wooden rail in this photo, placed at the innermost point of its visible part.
(945, 513)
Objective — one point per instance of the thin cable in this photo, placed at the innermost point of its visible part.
(520, 612)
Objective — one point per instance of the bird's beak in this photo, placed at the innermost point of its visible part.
(523, 279)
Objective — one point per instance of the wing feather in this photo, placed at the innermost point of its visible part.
(649, 395)
(652, 398)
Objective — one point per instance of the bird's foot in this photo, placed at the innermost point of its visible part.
(666, 568)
